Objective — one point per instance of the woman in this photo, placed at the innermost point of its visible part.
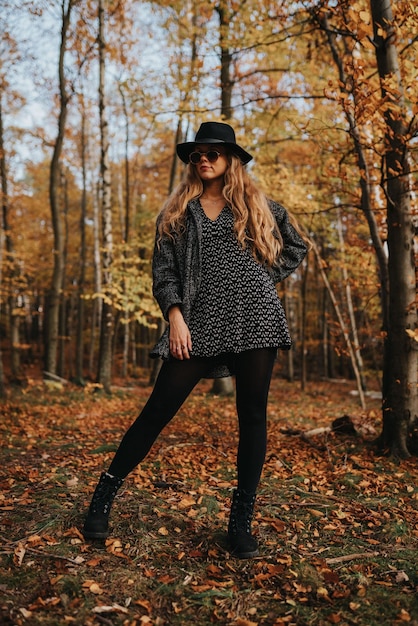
(220, 248)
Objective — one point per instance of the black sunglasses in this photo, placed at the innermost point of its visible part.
(211, 155)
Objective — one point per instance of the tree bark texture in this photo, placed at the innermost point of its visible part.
(107, 321)
(226, 60)
(79, 353)
(54, 296)
(12, 270)
(400, 400)
(2, 243)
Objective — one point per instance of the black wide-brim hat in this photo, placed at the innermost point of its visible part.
(213, 133)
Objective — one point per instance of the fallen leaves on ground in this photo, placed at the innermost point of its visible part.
(337, 524)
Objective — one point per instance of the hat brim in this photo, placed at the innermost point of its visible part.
(185, 149)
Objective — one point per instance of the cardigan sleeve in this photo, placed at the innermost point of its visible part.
(294, 248)
(167, 284)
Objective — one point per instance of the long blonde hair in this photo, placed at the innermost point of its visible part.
(254, 223)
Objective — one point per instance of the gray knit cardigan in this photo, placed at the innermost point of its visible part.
(176, 268)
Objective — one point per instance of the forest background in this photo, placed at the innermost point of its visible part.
(94, 96)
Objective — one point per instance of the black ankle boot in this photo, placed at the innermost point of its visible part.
(96, 525)
(241, 542)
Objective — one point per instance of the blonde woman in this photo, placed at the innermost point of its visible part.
(221, 246)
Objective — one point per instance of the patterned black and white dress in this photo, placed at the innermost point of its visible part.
(237, 307)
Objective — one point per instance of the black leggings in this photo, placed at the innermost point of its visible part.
(253, 370)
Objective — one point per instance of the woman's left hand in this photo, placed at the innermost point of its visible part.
(180, 338)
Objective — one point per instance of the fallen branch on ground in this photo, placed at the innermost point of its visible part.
(350, 557)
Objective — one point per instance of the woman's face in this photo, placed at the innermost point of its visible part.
(207, 168)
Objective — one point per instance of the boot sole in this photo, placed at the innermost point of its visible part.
(245, 555)
(94, 535)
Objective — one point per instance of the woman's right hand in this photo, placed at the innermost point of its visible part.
(180, 338)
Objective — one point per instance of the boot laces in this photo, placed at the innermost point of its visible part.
(242, 513)
(105, 494)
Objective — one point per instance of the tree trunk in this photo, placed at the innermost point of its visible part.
(400, 399)
(2, 246)
(126, 227)
(107, 321)
(325, 336)
(397, 274)
(53, 300)
(224, 386)
(79, 353)
(226, 60)
(96, 318)
(2, 379)
(12, 268)
(350, 306)
(290, 353)
(63, 323)
(304, 368)
(156, 365)
(341, 322)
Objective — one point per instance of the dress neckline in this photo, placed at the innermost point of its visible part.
(209, 218)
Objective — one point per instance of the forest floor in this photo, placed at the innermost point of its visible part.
(337, 523)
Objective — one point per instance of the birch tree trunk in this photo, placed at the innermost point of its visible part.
(107, 321)
(126, 226)
(54, 296)
(350, 306)
(156, 365)
(341, 322)
(400, 399)
(96, 318)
